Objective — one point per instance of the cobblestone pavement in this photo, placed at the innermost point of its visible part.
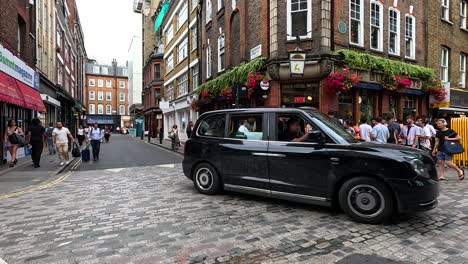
(154, 215)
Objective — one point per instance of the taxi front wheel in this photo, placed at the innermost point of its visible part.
(206, 179)
(366, 200)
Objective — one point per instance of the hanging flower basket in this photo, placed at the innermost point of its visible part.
(342, 81)
(436, 90)
(397, 83)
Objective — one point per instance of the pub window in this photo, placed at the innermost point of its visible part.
(410, 35)
(221, 56)
(376, 32)
(394, 31)
(299, 19)
(356, 15)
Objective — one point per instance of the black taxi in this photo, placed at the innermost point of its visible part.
(302, 155)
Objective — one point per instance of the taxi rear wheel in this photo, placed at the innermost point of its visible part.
(366, 200)
(206, 179)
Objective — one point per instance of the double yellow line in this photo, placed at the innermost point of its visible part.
(44, 186)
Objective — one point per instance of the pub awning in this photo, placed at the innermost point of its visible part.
(9, 91)
(32, 98)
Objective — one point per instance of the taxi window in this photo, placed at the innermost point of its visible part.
(249, 127)
(213, 126)
(294, 128)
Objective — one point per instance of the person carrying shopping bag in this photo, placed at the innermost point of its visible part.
(14, 138)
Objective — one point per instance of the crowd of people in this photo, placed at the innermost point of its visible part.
(56, 139)
(421, 133)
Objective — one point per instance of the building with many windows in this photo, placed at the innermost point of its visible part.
(177, 28)
(107, 94)
(447, 52)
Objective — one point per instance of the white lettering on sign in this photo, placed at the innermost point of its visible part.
(16, 68)
(256, 52)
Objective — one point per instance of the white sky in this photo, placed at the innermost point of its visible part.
(108, 28)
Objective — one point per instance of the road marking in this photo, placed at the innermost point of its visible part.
(65, 243)
(37, 188)
(2, 261)
(165, 149)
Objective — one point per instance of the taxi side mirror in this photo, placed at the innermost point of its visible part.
(317, 137)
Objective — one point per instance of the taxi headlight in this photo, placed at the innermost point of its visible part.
(420, 168)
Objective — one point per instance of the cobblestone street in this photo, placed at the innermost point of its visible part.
(154, 215)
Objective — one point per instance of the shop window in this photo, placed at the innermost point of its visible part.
(367, 104)
(408, 105)
(303, 94)
(394, 31)
(246, 127)
(410, 36)
(345, 106)
(356, 17)
(213, 126)
(299, 19)
(376, 31)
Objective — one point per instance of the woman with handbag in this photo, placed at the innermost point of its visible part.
(14, 137)
(447, 143)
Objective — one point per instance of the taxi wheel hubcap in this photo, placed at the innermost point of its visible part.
(204, 179)
(366, 201)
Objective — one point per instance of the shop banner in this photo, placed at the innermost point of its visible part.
(440, 104)
(16, 68)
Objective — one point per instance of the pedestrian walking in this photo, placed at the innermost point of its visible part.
(161, 135)
(444, 157)
(50, 139)
(365, 130)
(409, 132)
(189, 129)
(61, 135)
(423, 141)
(107, 134)
(14, 137)
(81, 135)
(36, 138)
(379, 132)
(174, 136)
(96, 135)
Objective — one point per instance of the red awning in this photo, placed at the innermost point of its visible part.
(32, 98)
(9, 91)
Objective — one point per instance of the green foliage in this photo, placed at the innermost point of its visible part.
(366, 61)
(238, 74)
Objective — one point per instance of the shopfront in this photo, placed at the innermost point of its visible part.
(153, 120)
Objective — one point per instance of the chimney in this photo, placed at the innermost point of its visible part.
(114, 66)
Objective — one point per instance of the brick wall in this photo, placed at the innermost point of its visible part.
(115, 91)
(10, 11)
(449, 34)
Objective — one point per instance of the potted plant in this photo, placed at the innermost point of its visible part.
(341, 82)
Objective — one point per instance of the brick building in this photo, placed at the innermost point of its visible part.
(19, 98)
(107, 94)
(447, 46)
(71, 57)
(177, 27)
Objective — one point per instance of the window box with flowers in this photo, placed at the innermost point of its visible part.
(396, 83)
(341, 81)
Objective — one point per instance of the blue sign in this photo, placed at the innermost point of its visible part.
(36, 81)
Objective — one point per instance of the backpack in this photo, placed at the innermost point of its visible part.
(49, 132)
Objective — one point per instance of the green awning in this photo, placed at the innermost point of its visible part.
(162, 13)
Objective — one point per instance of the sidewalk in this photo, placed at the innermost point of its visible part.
(24, 174)
(166, 144)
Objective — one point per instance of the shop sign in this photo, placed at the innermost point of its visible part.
(297, 62)
(440, 104)
(256, 52)
(299, 100)
(264, 85)
(458, 98)
(16, 68)
(164, 105)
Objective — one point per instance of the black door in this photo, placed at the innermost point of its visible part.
(297, 169)
(244, 153)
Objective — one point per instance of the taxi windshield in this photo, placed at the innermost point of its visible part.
(332, 127)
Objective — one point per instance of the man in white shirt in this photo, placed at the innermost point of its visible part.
(95, 135)
(424, 139)
(61, 135)
(380, 132)
(243, 127)
(409, 132)
(365, 130)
